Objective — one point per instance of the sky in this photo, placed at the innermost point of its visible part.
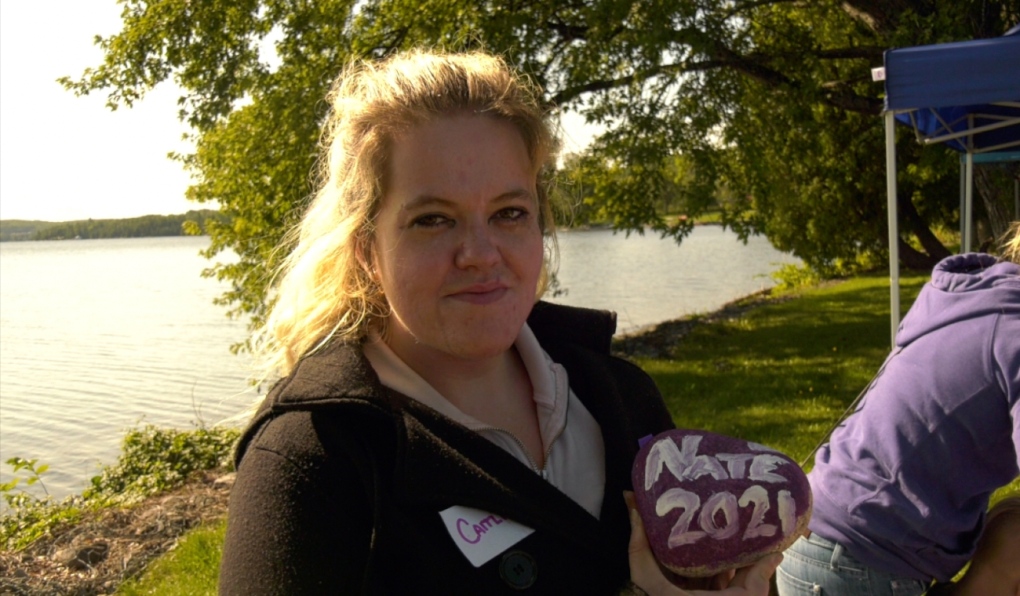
(64, 157)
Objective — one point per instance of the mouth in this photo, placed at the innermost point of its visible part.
(481, 294)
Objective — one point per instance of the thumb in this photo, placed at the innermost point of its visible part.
(644, 569)
(755, 578)
(638, 540)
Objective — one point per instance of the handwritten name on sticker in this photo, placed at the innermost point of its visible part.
(481, 535)
(472, 533)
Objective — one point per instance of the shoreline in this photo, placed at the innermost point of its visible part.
(108, 546)
(658, 339)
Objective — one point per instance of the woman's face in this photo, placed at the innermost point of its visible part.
(458, 250)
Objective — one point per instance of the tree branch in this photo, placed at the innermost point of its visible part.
(857, 52)
(568, 33)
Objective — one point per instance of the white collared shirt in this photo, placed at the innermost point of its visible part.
(571, 438)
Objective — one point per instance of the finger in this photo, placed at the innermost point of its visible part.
(638, 539)
(723, 579)
(755, 578)
(644, 570)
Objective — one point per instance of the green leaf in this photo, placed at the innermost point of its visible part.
(761, 111)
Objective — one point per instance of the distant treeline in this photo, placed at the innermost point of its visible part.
(134, 227)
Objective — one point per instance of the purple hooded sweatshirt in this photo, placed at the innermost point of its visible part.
(904, 483)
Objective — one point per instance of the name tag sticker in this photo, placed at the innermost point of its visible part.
(481, 535)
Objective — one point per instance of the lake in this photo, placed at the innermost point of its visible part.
(98, 336)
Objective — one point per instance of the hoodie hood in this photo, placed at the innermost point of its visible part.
(962, 287)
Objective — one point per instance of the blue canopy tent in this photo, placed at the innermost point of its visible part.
(964, 94)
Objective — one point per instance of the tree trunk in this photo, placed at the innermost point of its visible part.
(995, 185)
(911, 258)
(913, 222)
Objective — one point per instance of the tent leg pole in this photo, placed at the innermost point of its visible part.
(969, 208)
(894, 235)
(963, 201)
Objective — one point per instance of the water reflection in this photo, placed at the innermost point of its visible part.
(646, 279)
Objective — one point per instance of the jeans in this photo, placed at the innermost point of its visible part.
(819, 567)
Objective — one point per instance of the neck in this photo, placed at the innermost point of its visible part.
(476, 385)
(495, 390)
(487, 389)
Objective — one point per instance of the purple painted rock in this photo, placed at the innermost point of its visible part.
(711, 502)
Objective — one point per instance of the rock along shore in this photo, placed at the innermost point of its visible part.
(659, 340)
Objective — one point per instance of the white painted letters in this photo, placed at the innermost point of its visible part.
(720, 516)
(760, 497)
(736, 463)
(675, 498)
(726, 504)
(665, 454)
(686, 464)
(787, 511)
(762, 466)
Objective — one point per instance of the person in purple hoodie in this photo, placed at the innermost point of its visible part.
(902, 487)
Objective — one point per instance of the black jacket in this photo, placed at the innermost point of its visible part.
(340, 481)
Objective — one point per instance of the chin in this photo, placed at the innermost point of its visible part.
(469, 351)
(479, 344)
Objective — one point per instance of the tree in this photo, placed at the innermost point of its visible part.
(767, 98)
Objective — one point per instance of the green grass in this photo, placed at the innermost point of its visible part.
(190, 569)
(779, 375)
(783, 373)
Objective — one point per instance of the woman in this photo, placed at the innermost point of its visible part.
(436, 429)
(902, 487)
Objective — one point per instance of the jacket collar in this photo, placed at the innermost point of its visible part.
(429, 469)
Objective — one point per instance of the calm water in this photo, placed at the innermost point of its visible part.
(97, 336)
(647, 280)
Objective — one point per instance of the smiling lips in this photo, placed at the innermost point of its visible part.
(480, 294)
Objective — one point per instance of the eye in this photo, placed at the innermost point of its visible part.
(431, 220)
(512, 214)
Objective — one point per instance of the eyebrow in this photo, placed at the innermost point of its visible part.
(426, 200)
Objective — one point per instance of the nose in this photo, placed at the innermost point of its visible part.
(478, 247)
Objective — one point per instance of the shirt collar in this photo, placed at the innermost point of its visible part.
(548, 381)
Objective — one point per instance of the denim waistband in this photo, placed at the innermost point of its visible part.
(815, 539)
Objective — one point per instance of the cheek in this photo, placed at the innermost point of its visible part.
(404, 271)
(532, 257)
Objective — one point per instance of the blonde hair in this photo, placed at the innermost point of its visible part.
(324, 292)
(1011, 243)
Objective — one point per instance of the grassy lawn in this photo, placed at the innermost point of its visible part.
(779, 375)
(190, 569)
(782, 373)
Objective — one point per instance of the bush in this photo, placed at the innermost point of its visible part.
(156, 459)
(28, 517)
(152, 460)
(793, 277)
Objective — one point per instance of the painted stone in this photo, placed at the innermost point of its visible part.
(710, 502)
